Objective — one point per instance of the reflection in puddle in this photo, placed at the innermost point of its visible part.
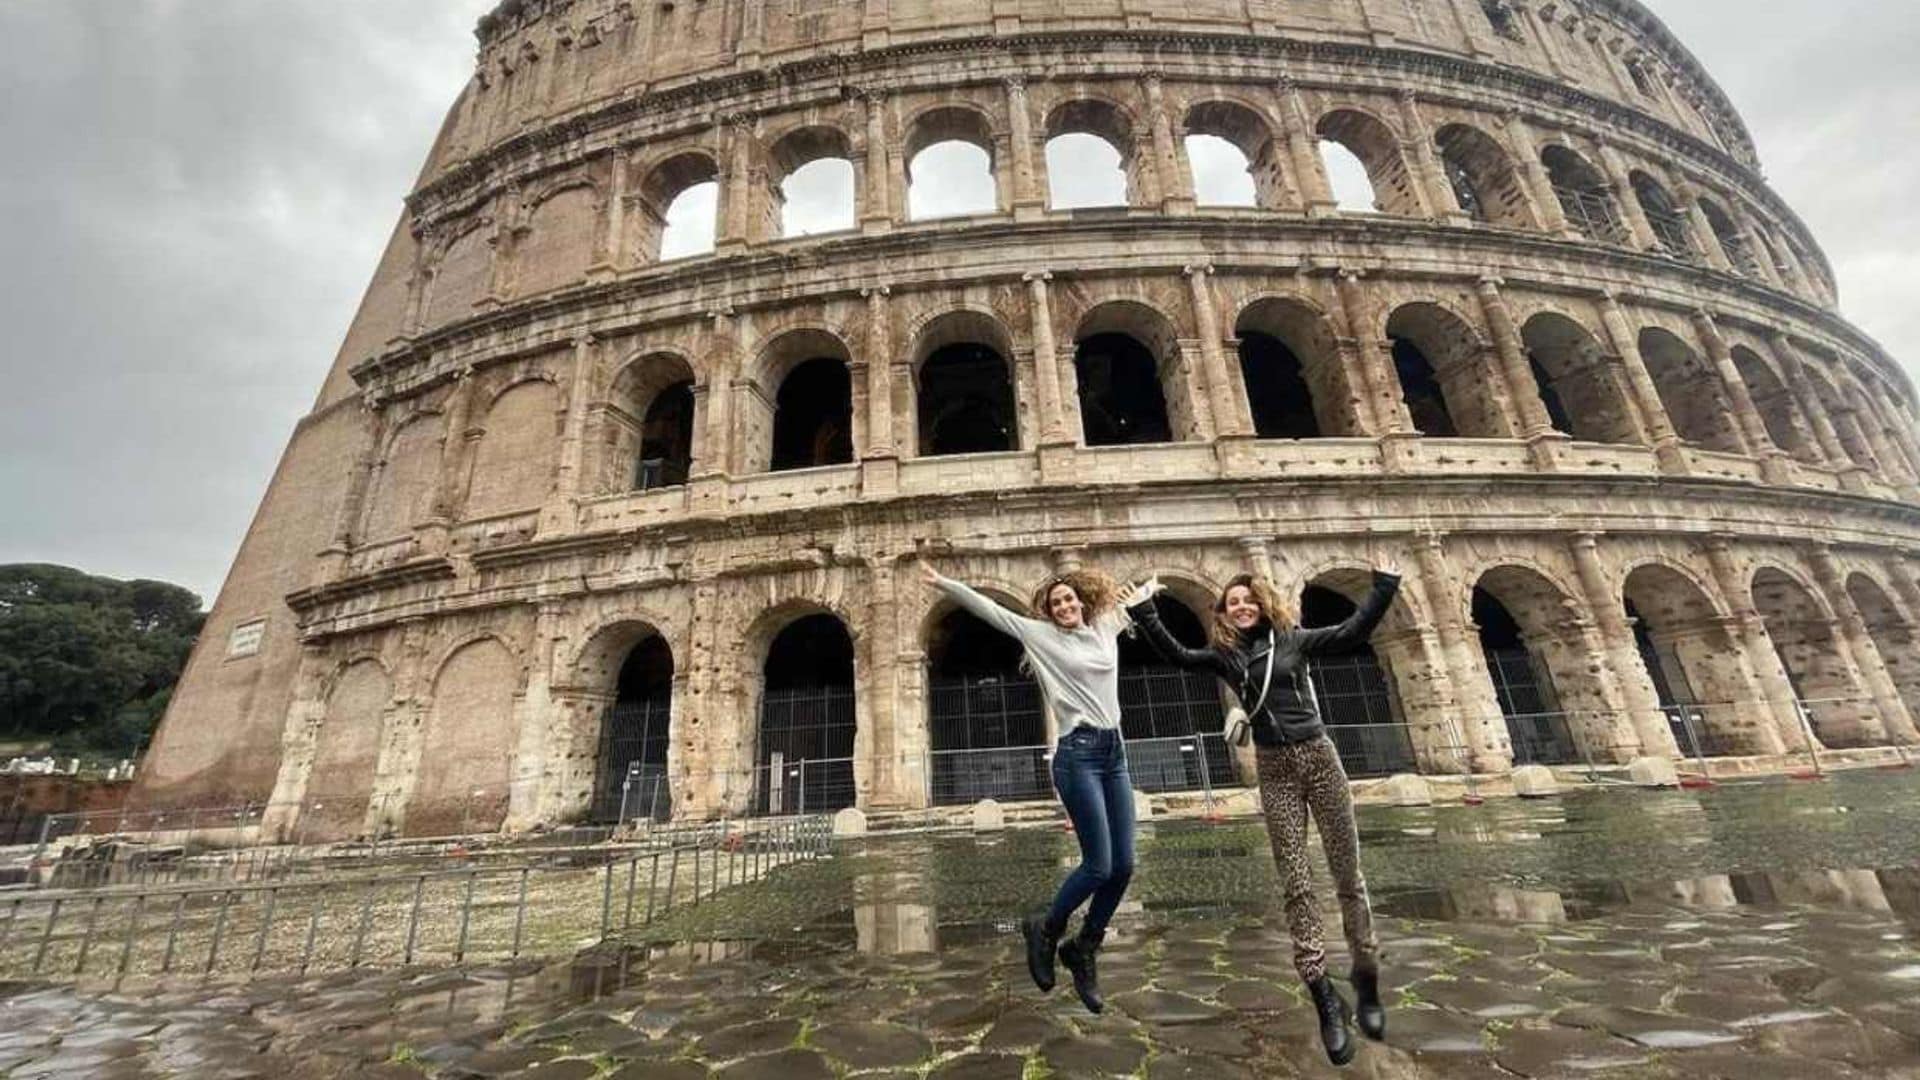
(1884, 891)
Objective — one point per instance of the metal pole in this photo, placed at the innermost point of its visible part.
(266, 923)
(313, 932)
(466, 920)
(173, 932)
(219, 931)
(673, 874)
(40, 954)
(86, 935)
(413, 918)
(606, 900)
(520, 914)
(1206, 781)
(126, 945)
(1806, 727)
(366, 920)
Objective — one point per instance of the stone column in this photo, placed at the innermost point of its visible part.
(1751, 632)
(891, 780)
(1029, 199)
(1046, 363)
(1526, 155)
(1896, 721)
(1753, 428)
(879, 361)
(1230, 417)
(1847, 421)
(876, 204)
(1646, 721)
(1638, 227)
(1386, 405)
(1815, 409)
(1304, 151)
(1705, 240)
(713, 449)
(299, 737)
(1176, 183)
(1488, 747)
(1893, 466)
(736, 187)
(559, 513)
(448, 491)
(613, 254)
(1543, 28)
(353, 508)
(1645, 395)
(1417, 144)
(1514, 367)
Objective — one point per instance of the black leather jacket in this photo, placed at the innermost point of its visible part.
(1289, 715)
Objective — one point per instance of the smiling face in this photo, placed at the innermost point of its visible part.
(1064, 608)
(1243, 608)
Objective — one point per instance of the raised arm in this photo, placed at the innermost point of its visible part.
(1147, 619)
(1358, 626)
(980, 606)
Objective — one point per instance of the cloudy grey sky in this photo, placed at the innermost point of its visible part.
(195, 192)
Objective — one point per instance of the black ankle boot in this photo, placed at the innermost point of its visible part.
(1080, 955)
(1333, 1020)
(1371, 1015)
(1042, 940)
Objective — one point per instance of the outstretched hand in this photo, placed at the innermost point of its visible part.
(928, 575)
(1135, 595)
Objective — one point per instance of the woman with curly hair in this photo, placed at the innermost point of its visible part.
(1265, 662)
(1072, 648)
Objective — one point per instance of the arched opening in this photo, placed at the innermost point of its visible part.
(1847, 423)
(1171, 717)
(1091, 160)
(513, 462)
(1893, 637)
(1804, 638)
(559, 241)
(634, 734)
(813, 181)
(1576, 380)
(1483, 178)
(679, 204)
(964, 387)
(1543, 679)
(1778, 409)
(985, 720)
(1234, 157)
(1691, 392)
(404, 485)
(346, 755)
(807, 719)
(1733, 242)
(1296, 386)
(1669, 222)
(1586, 198)
(799, 413)
(1127, 364)
(1374, 146)
(950, 165)
(644, 431)
(460, 786)
(1354, 693)
(1694, 665)
(1444, 374)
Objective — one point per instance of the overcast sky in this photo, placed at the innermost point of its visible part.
(194, 194)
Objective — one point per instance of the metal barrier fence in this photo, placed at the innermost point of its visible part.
(444, 915)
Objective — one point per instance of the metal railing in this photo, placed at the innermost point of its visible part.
(1543, 739)
(1672, 232)
(449, 915)
(1592, 213)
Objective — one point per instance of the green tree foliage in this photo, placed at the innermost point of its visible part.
(86, 661)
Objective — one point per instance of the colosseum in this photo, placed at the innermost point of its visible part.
(611, 503)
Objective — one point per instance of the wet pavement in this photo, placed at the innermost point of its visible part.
(1752, 931)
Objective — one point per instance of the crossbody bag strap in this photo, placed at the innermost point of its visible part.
(1265, 682)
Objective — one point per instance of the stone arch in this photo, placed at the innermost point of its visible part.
(986, 722)
(1446, 373)
(806, 709)
(513, 462)
(643, 432)
(817, 154)
(622, 689)
(1671, 230)
(1536, 652)
(1359, 692)
(467, 741)
(1578, 380)
(1585, 195)
(1775, 402)
(1727, 234)
(462, 273)
(1696, 666)
(1111, 123)
(1483, 177)
(346, 752)
(1130, 375)
(1807, 641)
(963, 382)
(1852, 438)
(1690, 391)
(1290, 365)
(1247, 131)
(786, 424)
(558, 241)
(944, 128)
(408, 471)
(1893, 634)
(1172, 717)
(690, 175)
(1373, 142)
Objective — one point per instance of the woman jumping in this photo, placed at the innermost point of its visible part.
(1300, 773)
(1074, 653)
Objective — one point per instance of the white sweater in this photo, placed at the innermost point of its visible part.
(1079, 670)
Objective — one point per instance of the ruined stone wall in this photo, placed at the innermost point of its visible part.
(453, 562)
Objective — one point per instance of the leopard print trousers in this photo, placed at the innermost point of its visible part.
(1296, 779)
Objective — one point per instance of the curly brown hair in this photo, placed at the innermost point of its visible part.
(1224, 633)
(1095, 590)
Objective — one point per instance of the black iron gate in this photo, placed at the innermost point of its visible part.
(806, 750)
(632, 781)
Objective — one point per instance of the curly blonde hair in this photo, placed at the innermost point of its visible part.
(1096, 591)
(1223, 632)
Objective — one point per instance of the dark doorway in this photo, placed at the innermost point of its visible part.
(985, 719)
(1354, 695)
(813, 417)
(807, 719)
(666, 439)
(1121, 402)
(1539, 731)
(1171, 717)
(1420, 387)
(634, 736)
(1277, 390)
(966, 402)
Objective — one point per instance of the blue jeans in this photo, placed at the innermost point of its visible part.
(1090, 773)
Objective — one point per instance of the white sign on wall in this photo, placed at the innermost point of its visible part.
(245, 639)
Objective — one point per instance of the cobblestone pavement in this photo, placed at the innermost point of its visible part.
(896, 959)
